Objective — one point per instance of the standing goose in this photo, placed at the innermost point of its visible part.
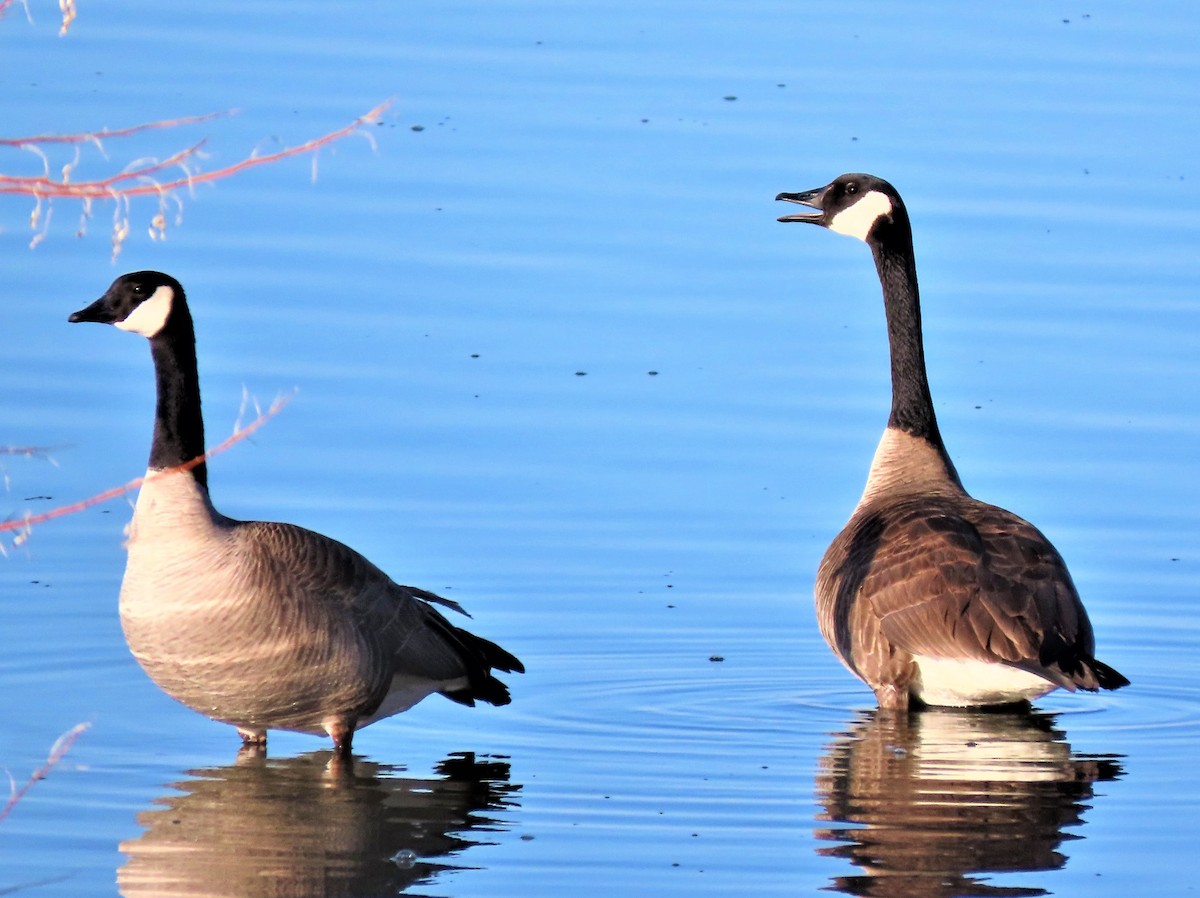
(928, 595)
(265, 625)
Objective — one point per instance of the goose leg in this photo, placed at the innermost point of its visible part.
(253, 737)
(892, 697)
(341, 730)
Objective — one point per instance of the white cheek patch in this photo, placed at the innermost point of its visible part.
(149, 317)
(857, 220)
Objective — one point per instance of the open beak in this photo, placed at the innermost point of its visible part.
(812, 199)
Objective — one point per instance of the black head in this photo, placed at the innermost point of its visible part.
(853, 204)
(142, 302)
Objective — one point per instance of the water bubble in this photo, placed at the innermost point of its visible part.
(405, 858)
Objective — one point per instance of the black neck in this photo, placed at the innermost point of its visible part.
(178, 424)
(912, 404)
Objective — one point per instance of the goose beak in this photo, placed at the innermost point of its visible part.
(811, 198)
(100, 312)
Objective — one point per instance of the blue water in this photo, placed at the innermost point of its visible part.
(556, 359)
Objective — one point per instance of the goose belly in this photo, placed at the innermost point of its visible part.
(251, 661)
(964, 683)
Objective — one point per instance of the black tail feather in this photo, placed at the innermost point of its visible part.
(1106, 677)
(481, 656)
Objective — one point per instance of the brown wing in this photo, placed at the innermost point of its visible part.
(952, 577)
(391, 629)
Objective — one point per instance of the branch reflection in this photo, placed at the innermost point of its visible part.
(310, 825)
(927, 804)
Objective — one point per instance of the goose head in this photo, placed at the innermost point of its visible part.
(857, 205)
(141, 302)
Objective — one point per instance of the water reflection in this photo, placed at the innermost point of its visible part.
(925, 803)
(303, 826)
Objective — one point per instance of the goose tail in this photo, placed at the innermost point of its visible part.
(1104, 676)
(482, 656)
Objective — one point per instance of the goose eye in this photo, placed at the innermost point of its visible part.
(851, 189)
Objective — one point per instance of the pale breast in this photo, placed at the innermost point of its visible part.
(213, 632)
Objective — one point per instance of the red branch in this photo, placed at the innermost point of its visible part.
(104, 188)
(63, 510)
(46, 186)
(66, 7)
(58, 751)
(97, 136)
(26, 451)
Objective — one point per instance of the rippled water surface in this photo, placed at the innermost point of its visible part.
(556, 359)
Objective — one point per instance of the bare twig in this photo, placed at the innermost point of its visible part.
(96, 137)
(144, 177)
(66, 7)
(39, 452)
(5, 4)
(103, 188)
(29, 452)
(24, 524)
(68, 15)
(58, 751)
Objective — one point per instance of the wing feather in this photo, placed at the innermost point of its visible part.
(397, 630)
(959, 579)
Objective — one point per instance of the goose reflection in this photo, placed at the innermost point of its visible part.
(302, 826)
(927, 804)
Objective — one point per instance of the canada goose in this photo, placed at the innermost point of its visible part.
(265, 625)
(927, 594)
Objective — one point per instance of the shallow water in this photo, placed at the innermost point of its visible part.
(556, 359)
